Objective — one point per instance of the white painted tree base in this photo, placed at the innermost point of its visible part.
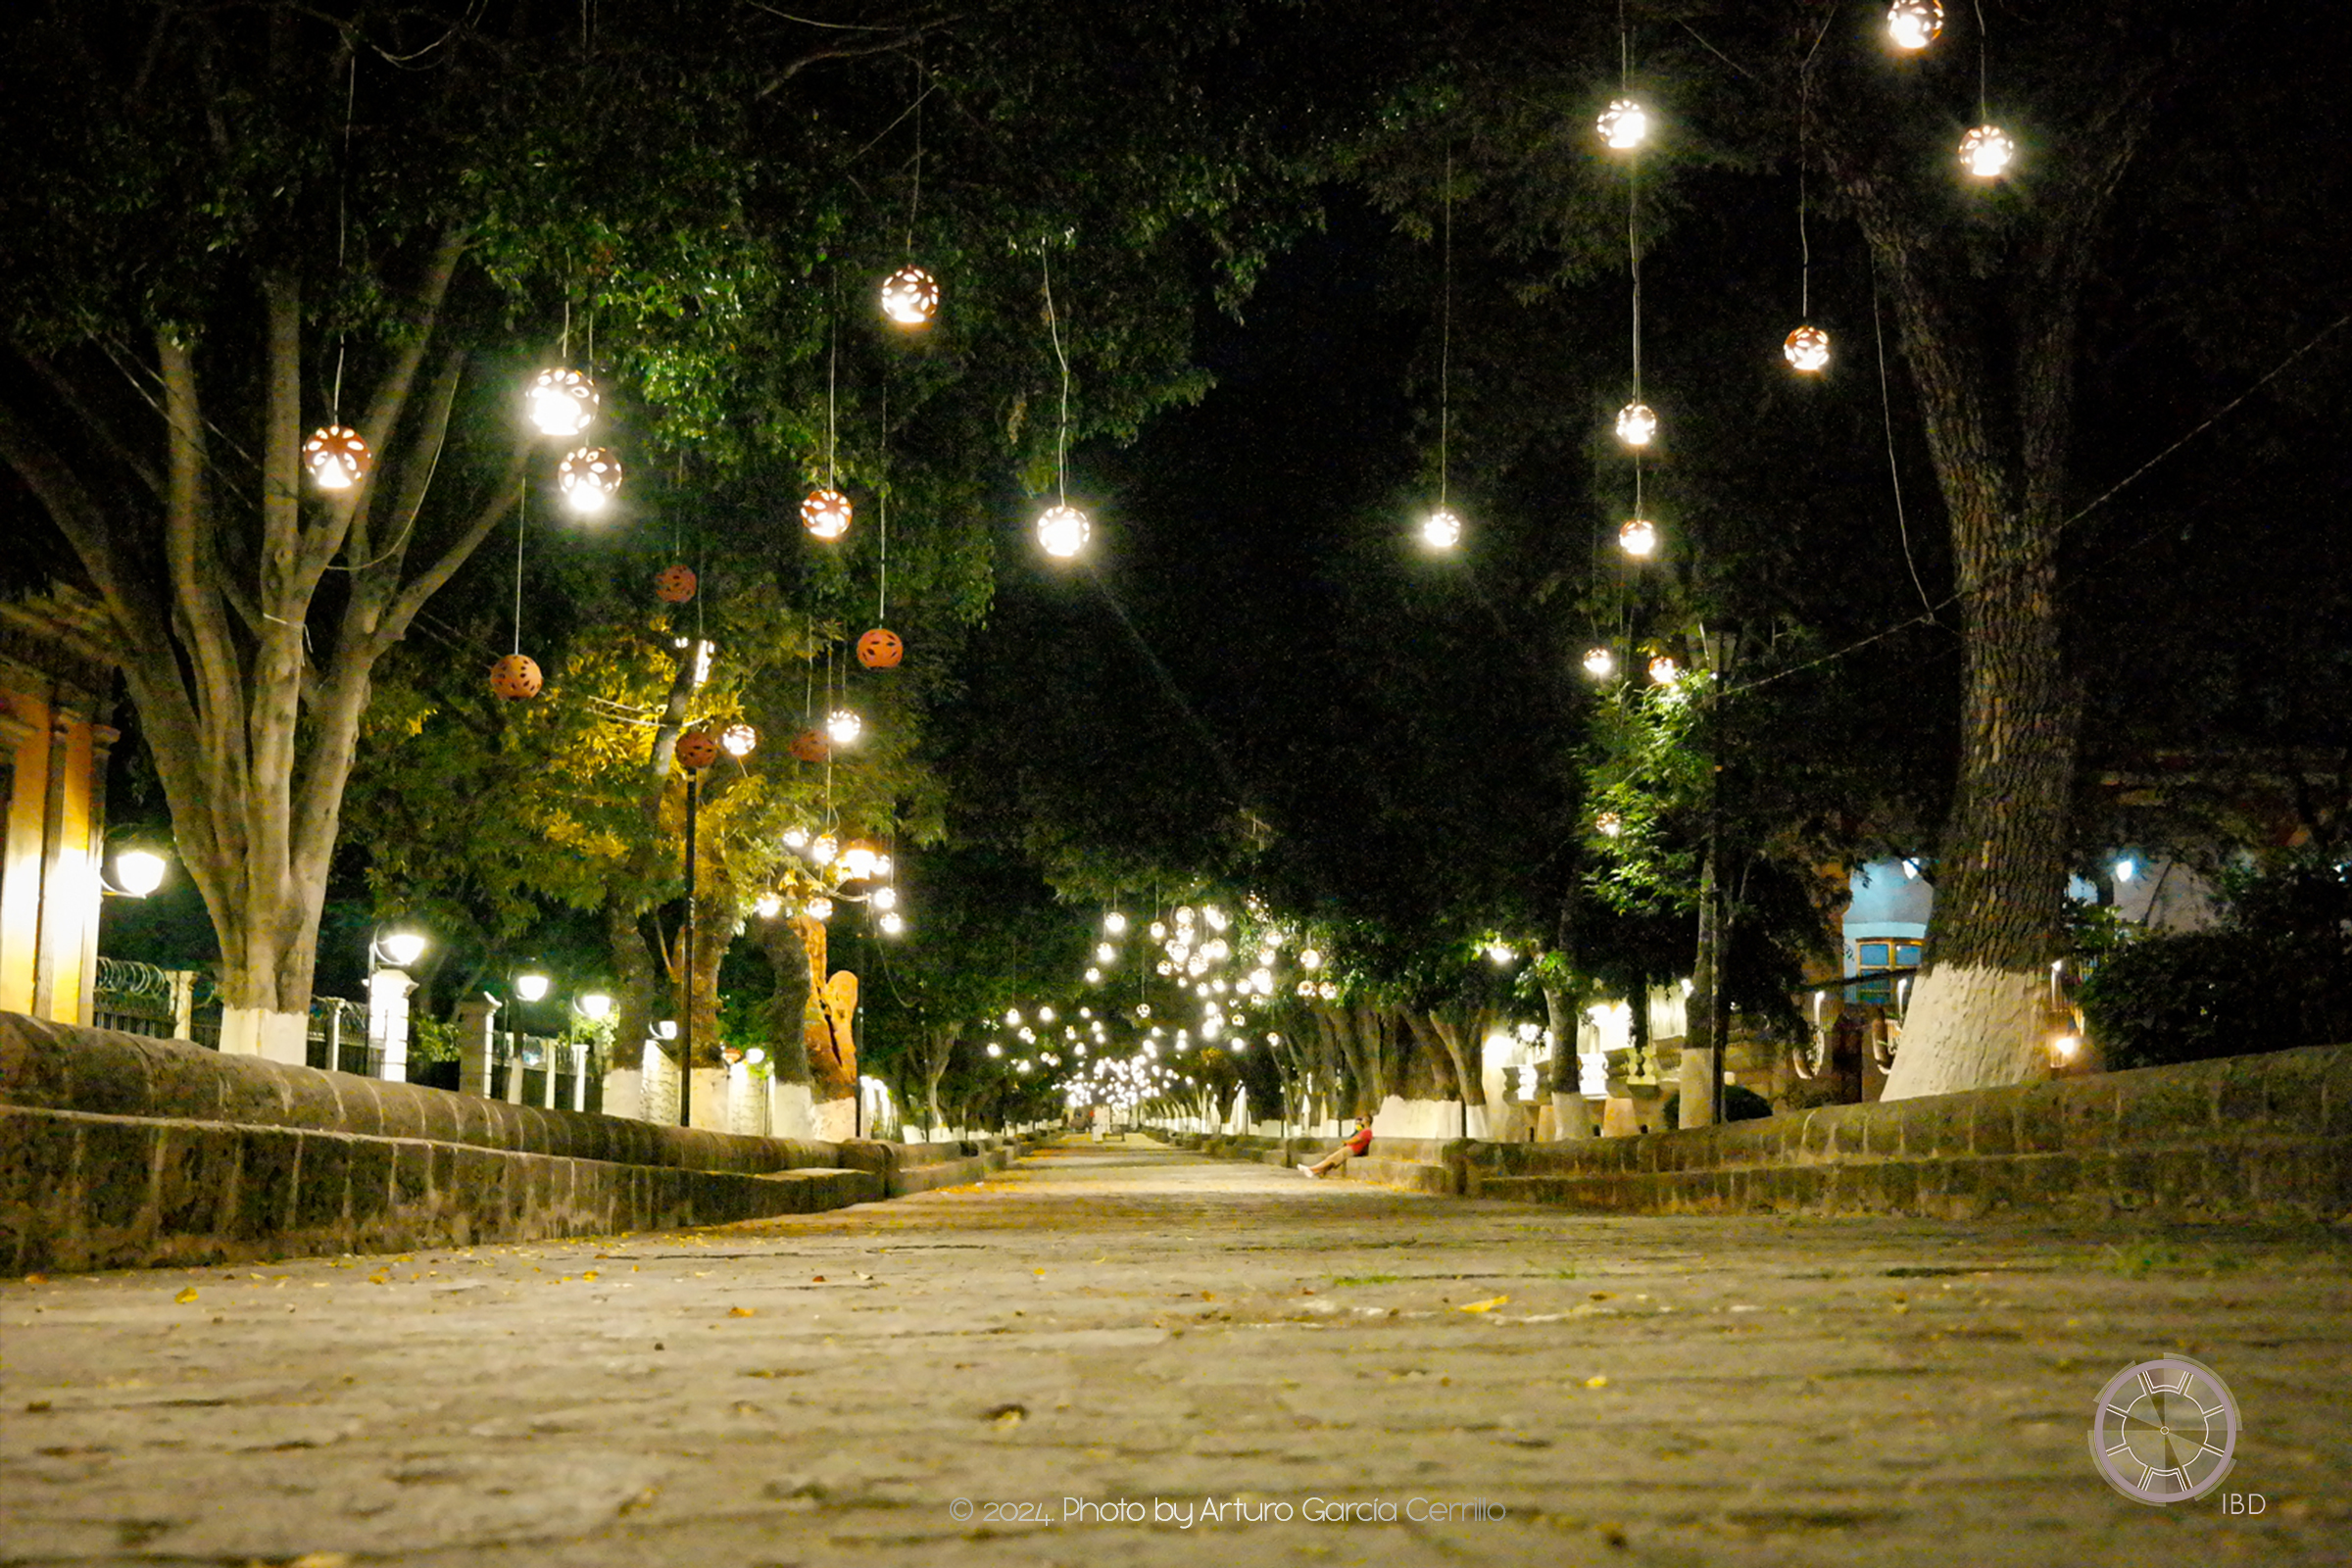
(836, 1120)
(1975, 1027)
(709, 1110)
(791, 1111)
(272, 1036)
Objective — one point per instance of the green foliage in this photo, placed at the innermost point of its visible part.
(1742, 1104)
(2276, 973)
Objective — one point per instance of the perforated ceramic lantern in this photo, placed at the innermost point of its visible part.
(809, 745)
(1986, 150)
(589, 477)
(337, 457)
(698, 749)
(515, 677)
(1441, 529)
(1063, 531)
(881, 648)
(911, 296)
(1914, 24)
(561, 401)
(675, 584)
(1636, 424)
(739, 741)
(1624, 125)
(1807, 349)
(1638, 537)
(825, 514)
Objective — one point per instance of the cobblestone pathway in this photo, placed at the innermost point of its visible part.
(1106, 1331)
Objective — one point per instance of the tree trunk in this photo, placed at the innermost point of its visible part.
(788, 1003)
(249, 693)
(1698, 1012)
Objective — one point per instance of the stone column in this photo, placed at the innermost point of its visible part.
(183, 1005)
(388, 1020)
(477, 1019)
(580, 1063)
(513, 1094)
(551, 1052)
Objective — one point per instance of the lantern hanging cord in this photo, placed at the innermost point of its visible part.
(882, 591)
(914, 199)
(522, 513)
(832, 371)
(1446, 326)
(1983, 113)
(1895, 473)
(1061, 433)
(351, 96)
(563, 356)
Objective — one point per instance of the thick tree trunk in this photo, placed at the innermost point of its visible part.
(1699, 1045)
(788, 1003)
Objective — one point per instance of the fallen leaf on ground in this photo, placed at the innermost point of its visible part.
(1597, 1382)
(739, 1311)
(186, 1295)
(1487, 1306)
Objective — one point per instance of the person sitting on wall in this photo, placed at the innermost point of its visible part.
(1357, 1143)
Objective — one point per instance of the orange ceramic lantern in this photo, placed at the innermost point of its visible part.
(337, 457)
(881, 648)
(825, 514)
(515, 677)
(675, 584)
(809, 745)
(698, 749)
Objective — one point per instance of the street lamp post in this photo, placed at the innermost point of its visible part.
(390, 956)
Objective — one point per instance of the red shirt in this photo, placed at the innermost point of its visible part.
(1361, 1141)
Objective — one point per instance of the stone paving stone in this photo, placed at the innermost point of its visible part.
(1114, 1325)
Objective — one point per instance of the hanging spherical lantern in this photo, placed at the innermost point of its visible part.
(1636, 424)
(1624, 125)
(911, 297)
(739, 741)
(337, 457)
(675, 584)
(881, 648)
(860, 859)
(1608, 824)
(843, 726)
(1638, 537)
(1986, 150)
(884, 899)
(826, 849)
(1914, 23)
(809, 746)
(589, 477)
(560, 402)
(515, 677)
(820, 908)
(825, 514)
(892, 923)
(1807, 349)
(698, 749)
(1663, 670)
(1441, 529)
(1063, 531)
(1599, 663)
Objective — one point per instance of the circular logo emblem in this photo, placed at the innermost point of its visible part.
(2165, 1431)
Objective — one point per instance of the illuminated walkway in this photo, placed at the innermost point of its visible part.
(1101, 1333)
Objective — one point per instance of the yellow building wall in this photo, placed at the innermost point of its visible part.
(52, 840)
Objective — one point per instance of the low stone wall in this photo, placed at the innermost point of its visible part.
(2262, 1137)
(1407, 1165)
(118, 1151)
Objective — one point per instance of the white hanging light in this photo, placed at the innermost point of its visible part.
(1986, 150)
(589, 477)
(820, 908)
(337, 457)
(1441, 529)
(1914, 24)
(1609, 824)
(892, 923)
(911, 296)
(739, 741)
(561, 401)
(843, 726)
(884, 899)
(824, 850)
(1807, 349)
(1063, 531)
(1636, 424)
(1624, 125)
(1599, 663)
(825, 514)
(1638, 537)
(1663, 670)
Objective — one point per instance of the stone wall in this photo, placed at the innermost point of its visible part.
(2266, 1137)
(123, 1152)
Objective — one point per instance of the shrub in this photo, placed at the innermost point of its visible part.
(2276, 973)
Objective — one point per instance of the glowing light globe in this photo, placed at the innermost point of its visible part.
(843, 726)
(1624, 125)
(1062, 531)
(825, 514)
(1636, 424)
(1914, 23)
(1663, 670)
(337, 457)
(769, 905)
(911, 297)
(891, 924)
(1986, 150)
(884, 899)
(1441, 529)
(1807, 349)
(1638, 537)
(139, 872)
(739, 741)
(820, 908)
(1599, 663)
(560, 402)
(1608, 824)
(859, 860)
(588, 478)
